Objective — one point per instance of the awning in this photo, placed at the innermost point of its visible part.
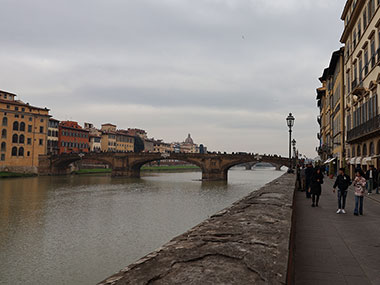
(352, 161)
(358, 160)
(367, 160)
(329, 160)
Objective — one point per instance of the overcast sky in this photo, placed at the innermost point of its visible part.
(226, 71)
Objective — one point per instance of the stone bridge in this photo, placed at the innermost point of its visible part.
(213, 166)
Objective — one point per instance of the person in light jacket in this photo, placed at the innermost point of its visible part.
(359, 184)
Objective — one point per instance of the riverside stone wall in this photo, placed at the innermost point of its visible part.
(247, 243)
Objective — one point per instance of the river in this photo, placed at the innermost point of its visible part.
(81, 229)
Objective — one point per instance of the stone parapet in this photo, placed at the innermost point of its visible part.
(247, 243)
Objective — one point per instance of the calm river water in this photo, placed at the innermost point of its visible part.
(81, 229)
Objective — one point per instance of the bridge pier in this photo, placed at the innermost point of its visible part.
(214, 175)
(248, 166)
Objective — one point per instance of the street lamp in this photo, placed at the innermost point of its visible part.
(290, 121)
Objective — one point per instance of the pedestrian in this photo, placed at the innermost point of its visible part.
(359, 184)
(309, 173)
(371, 176)
(316, 186)
(342, 181)
(303, 179)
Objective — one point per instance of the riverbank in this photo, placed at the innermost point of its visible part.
(247, 243)
(15, 175)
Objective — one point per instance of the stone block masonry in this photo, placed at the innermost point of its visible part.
(247, 243)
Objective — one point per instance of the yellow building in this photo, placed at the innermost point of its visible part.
(124, 142)
(331, 119)
(108, 140)
(361, 37)
(23, 134)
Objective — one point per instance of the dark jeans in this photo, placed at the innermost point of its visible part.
(370, 185)
(315, 199)
(359, 205)
(342, 195)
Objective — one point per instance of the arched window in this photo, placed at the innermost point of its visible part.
(14, 151)
(15, 126)
(4, 134)
(372, 149)
(22, 127)
(365, 150)
(15, 138)
(5, 121)
(21, 151)
(359, 151)
(353, 152)
(3, 146)
(22, 139)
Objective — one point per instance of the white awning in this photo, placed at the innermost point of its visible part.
(358, 160)
(367, 160)
(329, 160)
(352, 160)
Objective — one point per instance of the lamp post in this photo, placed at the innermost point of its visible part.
(290, 121)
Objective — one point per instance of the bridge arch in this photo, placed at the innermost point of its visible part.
(61, 164)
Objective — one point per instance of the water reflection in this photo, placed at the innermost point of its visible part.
(80, 229)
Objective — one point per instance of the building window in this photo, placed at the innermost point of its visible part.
(21, 151)
(360, 68)
(22, 127)
(22, 139)
(16, 116)
(359, 150)
(30, 119)
(2, 157)
(373, 53)
(41, 142)
(23, 109)
(3, 146)
(29, 128)
(4, 134)
(42, 120)
(41, 130)
(14, 151)
(371, 149)
(15, 138)
(29, 141)
(8, 106)
(366, 62)
(364, 150)
(365, 18)
(5, 121)
(16, 108)
(28, 153)
(15, 126)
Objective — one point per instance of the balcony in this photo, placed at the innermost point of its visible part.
(365, 129)
(357, 88)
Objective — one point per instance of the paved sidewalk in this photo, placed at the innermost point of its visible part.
(337, 249)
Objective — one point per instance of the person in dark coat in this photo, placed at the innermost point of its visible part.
(316, 186)
(371, 177)
(308, 173)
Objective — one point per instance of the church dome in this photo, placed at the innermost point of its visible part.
(189, 140)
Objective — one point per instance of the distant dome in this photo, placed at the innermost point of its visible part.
(189, 140)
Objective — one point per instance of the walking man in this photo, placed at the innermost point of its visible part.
(370, 176)
(342, 181)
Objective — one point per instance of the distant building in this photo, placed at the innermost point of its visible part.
(108, 140)
(148, 145)
(73, 138)
(95, 137)
(160, 146)
(138, 132)
(53, 134)
(23, 134)
(124, 141)
(188, 146)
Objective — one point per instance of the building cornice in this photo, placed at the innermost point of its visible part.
(355, 15)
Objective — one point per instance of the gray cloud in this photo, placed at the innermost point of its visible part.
(227, 71)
